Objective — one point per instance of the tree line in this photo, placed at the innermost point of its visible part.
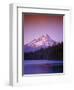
(49, 53)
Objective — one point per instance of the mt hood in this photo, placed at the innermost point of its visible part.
(42, 42)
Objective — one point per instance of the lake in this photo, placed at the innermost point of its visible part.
(43, 66)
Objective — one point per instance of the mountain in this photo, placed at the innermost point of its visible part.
(42, 42)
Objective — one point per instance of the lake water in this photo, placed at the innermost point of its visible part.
(43, 66)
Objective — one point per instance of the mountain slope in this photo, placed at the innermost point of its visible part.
(49, 53)
(42, 42)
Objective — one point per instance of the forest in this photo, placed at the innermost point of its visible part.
(54, 52)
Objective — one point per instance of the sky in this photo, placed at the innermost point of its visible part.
(36, 25)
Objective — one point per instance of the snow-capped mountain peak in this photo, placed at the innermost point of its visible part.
(42, 42)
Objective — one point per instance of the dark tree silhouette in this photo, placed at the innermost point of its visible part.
(50, 53)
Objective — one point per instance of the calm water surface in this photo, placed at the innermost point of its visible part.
(42, 66)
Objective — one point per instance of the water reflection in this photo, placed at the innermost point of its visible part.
(42, 66)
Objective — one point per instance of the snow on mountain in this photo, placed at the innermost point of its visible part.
(42, 42)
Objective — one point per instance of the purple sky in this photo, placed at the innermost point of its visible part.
(36, 25)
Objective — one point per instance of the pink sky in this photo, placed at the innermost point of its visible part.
(36, 25)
